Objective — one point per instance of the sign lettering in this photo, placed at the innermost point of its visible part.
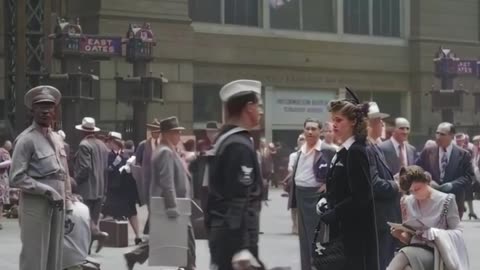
(107, 46)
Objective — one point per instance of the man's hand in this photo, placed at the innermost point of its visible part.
(172, 213)
(323, 188)
(447, 187)
(53, 195)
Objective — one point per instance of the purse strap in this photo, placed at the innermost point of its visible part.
(443, 215)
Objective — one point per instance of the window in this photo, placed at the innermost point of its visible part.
(372, 17)
(389, 102)
(308, 15)
(207, 105)
(386, 18)
(239, 12)
(285, 15)
(204, 10)
(356, 16)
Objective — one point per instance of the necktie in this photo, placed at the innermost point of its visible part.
(444, 163)
(401, 156)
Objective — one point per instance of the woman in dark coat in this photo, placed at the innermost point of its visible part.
(122, 194)
(350, 202)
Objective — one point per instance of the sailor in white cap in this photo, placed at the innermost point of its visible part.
(235, 183)
(39, 169)
(89, 172)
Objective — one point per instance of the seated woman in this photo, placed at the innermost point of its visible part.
(431, 221)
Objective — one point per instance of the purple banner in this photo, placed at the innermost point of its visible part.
(107, 46)
(467, 67)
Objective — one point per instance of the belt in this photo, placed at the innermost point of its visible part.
(57, 177)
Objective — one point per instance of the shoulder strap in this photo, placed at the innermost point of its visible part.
(446, 205)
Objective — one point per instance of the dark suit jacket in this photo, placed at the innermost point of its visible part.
(387, 203)
(386, 192)
(391, 156)
(459, 170)
(320, 168)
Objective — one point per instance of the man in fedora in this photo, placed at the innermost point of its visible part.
(170, 181)
(385, 188)
(235, 183)
(144, 160)
(89, 172)
(39, 169)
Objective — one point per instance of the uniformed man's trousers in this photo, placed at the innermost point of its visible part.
(41, 232)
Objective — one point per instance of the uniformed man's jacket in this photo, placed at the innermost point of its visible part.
(235, 189)
(39, 162)
(169, 178)
(91, 168)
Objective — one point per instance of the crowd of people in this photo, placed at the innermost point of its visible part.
(360, 199)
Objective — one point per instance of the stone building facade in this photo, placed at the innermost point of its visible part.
(303, 51)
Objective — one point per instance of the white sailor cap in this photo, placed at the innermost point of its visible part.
(240, 88)
(42, 93)
(115, 135)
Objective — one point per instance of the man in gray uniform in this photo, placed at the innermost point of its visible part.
(39, 169)
(170, 181)
(90, 170)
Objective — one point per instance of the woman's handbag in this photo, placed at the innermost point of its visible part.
(327, 254)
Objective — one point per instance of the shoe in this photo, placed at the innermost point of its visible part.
(472, 215)
(129, 258)
(138, 241)
(1, 226)
(101, 237)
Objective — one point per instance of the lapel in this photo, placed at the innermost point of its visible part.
(381, 156)
(434, 163)
(391, 155)
(452, 162)
(410, 155)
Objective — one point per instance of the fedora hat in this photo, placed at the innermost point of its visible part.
(42, 93)
(374, 111)
(212, 125)
(170, 123)
(88, 125)
(115, 135)
(154, 124)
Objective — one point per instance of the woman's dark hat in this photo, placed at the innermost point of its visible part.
(170, 123)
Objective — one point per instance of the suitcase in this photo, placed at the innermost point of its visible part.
(117, 232)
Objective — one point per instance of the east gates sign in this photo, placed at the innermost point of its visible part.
(98, 45)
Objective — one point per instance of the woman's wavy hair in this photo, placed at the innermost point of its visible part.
(355, 112)
(411, 174)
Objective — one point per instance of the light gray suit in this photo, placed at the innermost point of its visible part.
(90, 168)
(170, 181)
(90, 173)
(39, 168)
(392, 158)
(144, 159)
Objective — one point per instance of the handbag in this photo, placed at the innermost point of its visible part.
(332, 255)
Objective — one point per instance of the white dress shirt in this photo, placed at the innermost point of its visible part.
(441, 153)
(396, 145)
(304, 176)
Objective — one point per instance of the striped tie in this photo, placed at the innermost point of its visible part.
(444, 164)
